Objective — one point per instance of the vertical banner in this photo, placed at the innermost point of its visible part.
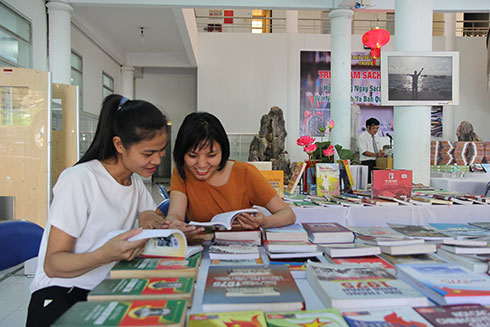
(365, 93)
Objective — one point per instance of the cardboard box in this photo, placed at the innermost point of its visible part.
(384, 163)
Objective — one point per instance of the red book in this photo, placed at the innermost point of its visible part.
(392, 183)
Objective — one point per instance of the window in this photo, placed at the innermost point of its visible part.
(76, 76)
(261, 21)
(107, 85)
(15, 39)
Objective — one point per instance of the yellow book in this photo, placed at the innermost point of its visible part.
(275, 179)
(349, 173)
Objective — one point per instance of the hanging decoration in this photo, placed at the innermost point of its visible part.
(375, 39)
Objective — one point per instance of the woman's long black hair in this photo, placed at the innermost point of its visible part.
(132, 120)
(198, 130)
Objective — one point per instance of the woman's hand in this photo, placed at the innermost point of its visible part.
(119, 248)
(250, 221)
(151, 220)
(188, 230)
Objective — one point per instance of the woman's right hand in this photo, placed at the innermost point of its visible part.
(119, 248)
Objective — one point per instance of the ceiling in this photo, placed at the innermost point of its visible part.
(170, 32)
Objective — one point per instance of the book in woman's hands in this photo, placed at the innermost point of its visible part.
(224, 219)
(162, 243)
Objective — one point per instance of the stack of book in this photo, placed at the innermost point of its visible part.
(170, 313)
(293, 232)
(328, 232)
(343, 250)
(233, 250)
(269, 288)
(290, 249)
(444, 283)
(347, 287)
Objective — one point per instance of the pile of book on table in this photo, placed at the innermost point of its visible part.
(362, 275)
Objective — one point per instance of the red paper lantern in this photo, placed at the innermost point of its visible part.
(375, 39)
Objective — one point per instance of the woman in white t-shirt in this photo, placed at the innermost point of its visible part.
(101, 193)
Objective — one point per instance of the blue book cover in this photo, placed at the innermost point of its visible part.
(446, 283)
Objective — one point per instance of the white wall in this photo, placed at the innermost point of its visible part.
(173, 90)
(240, 76)
(35, 11)
(95, 61)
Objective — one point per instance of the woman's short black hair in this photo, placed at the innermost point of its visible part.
(198, 130)
(132, 120)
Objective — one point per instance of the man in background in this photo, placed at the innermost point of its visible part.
(370, 145)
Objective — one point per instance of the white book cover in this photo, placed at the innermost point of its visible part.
(224, 219)
(446, 283)
(346, 287)
(327, 179)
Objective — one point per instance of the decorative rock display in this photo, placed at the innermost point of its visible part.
(269, 143)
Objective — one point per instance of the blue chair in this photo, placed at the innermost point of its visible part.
(163, 206)
(19, 241)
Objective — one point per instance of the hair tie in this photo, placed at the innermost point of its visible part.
(122, 102)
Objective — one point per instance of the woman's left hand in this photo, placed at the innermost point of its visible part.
(249, 221)
(150, 220)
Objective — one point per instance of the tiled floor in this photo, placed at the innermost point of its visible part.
(14, 287)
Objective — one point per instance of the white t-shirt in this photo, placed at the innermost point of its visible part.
(89, 203)
(366, 144)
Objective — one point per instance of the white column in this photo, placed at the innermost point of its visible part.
(292, 21)
(413, 32)
(127, 74)
(59, 43)
(448, 125)
(340, 22)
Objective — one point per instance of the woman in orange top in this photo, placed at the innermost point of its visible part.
(205, 183)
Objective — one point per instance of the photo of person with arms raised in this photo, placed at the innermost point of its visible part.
(205, 182)
(101, 193)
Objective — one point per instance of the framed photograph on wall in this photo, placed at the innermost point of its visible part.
(419, 78)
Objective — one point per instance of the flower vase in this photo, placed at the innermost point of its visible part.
(309, 177)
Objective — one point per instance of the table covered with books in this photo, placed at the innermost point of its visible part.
(379, 216)
(474, 183)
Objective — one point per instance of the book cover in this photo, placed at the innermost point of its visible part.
(297, 266)
(237, 262)
(366, 261)
(275, 179)
(143, 289)
(346, 287)
(269, 288)
(154, 267)
(162, 243)
(392, 183)
(481, 224)
(328, 232)
(418, 231)
(456, 315)
(228, 319)
(469, 262)
(293, 232)
(308, 318)
(396, 317)
(227, 250)
(327, 179)
(446, 283)
(296, 177)
(460, 230)
(376, 231)
(349, 174)
(124, 313)
(413, 259)
(224, 219)
(349, 250)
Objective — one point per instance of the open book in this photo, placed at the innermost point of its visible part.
(162, 243)
(224, 219)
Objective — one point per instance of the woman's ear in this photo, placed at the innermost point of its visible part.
(116, 140)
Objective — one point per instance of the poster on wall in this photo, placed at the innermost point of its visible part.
(315, 79)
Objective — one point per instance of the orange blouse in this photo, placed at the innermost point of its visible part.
(245, 187)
